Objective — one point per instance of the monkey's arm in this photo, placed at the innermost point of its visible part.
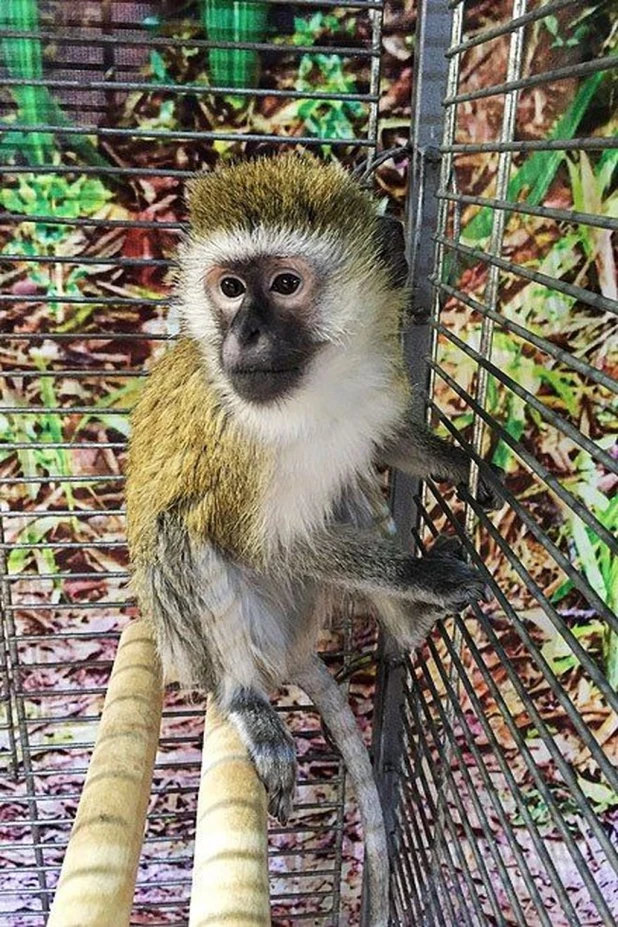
(415, 450)
(362, 561)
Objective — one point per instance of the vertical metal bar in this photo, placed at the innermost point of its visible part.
(505, 159)
(376, 17)
(436, 26)
(24, 741)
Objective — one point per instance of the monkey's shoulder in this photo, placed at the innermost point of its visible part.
(186, 456)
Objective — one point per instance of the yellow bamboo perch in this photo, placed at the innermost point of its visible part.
(98, 875)
(230, 867)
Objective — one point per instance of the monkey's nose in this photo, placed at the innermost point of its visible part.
(249, 350)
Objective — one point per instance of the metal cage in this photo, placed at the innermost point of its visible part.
(495, 748)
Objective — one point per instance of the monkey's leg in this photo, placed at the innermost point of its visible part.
(334, 709)
(270, 746)
(418, 452)
(366, 562)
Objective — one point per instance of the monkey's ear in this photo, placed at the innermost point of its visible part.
(392, 249)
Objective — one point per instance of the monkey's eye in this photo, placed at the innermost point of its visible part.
(232, 287)
(285, 284)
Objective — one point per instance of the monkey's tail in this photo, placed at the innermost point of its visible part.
(326, 695)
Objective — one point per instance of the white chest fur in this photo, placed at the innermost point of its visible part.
(313, 466)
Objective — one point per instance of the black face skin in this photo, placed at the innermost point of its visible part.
(265, 306)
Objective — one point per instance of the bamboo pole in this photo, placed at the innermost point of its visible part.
(98, 875)
(230, 867)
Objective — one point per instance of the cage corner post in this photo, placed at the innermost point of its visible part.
(436, 23)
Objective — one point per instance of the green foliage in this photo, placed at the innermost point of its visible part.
(39, 429)
(536, 174)
(540, 811)
(322, 72)
(552, 25)
(52, 195)
(327, 118)
(55, 195)
(557, 651)
(306, 31)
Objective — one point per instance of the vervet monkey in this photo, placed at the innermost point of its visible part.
(251, 479)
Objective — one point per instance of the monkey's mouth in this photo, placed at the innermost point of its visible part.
(264, 384)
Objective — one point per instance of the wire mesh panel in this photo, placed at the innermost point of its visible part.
(500, 741)
(106, 108)
(496, 750)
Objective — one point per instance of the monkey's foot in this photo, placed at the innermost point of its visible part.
(270, 746)
(489, 495)
(275, 762)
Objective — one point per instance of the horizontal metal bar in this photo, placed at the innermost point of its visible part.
(104, 170)
(66, 445)
(578, 580)
(59, 478)
(590, 143)
(63, 513)
(65, 545)
(82, 221)
(570, 360)
(64, 410)
(85, 300)
(534, 465)
(72, 373)
(595, 300)
(86, 260)
(204, 89)
(169, 135)
(552, 418)
(61, 577)
(507, 27)
(533, 80)
(83, 336)
(543, 212)
(117, 39)
(71, 606)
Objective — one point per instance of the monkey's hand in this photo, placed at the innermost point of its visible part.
(450, 586)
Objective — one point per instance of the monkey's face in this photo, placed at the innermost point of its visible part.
(264, 308)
